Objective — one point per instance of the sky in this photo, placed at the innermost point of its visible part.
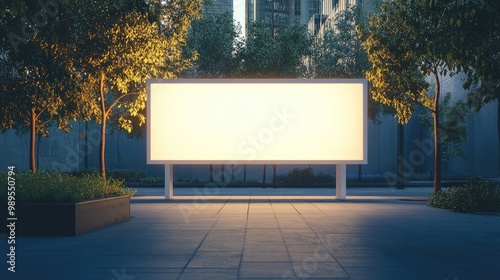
(239, 13)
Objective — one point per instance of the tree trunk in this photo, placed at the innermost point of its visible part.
(274, 176)
(211, 173)
(102, 165)
(232, 172)
(437, 149)
(86, 145)
(360, 178)
(38, 141)
(32, 140)
(264, 177)
(223, 178)
(245, 172)
(401, 155)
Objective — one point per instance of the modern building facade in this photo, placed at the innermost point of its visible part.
(328, 11)
(278, 14)
(218, 7)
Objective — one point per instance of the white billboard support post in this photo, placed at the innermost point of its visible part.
(340, 181)
(169, 181)
(269, 121)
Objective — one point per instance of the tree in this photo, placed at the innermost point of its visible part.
(133, 42)
(215, 39)
(451, 126)
(477, 52)
(35, 89)
(265, 55)
(405, 42)
(337, 51)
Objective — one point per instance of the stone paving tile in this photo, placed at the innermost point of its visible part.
(266, 270)
(120, 273)
(305, 249)
(319, 257)
(135, 261)
(265, 256)
(215, 260)
(312, 268)
(265, 247)
(221, 246)
(386, 273)
(198, 274)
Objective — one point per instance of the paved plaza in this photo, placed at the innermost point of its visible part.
(269, 234)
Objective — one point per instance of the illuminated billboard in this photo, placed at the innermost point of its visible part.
(196, 121)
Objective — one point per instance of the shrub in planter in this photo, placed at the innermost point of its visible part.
(52, 203)
(62, 187)
(474, 196)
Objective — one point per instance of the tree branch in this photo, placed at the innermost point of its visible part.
(118, 99)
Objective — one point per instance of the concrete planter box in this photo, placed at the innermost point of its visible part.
(70, 219)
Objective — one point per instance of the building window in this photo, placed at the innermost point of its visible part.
(297, 7)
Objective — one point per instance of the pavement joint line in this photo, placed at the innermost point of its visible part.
(196, 250)
(295, 209)
(324, 244)
(223, 206)
(244, 240)
(283, 240)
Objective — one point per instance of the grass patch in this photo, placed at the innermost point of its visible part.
(62, 187)
(474, 196)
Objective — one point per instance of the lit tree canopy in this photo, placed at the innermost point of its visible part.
(132, 43)
(406, 42)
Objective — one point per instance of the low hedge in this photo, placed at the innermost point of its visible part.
(474, 196)
(62, 187)
(128, 175)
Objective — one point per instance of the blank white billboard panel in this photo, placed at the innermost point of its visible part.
(257, 121)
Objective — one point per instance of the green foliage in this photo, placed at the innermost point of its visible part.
(475, 196)
(88, 60)
(115, 47)
(406, 42)
(153, 180)
(451, 126)
(36, 89)
(214, 39)
(337, 52)
(477, 48)
(61, 187)
(402, 51)
(127, 175)
(441, 37)
(268, 55)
